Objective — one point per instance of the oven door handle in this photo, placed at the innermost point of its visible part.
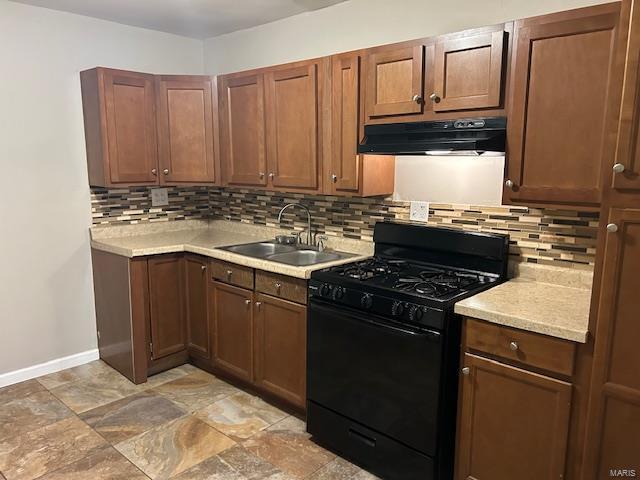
(430, 334)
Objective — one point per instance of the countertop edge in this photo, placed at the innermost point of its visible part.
(520, 323)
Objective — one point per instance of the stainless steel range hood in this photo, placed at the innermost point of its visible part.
(468, 135)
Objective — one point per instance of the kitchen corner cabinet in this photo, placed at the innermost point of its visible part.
(142, 129)
(140, 312)
(347, 172)
(120, 127)
(515, 403)
(197, 306)
(187, 129)
(562, 66)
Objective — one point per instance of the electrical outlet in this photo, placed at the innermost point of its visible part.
(419, 211)
(159, 197)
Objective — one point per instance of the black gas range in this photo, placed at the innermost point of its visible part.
(383, 347)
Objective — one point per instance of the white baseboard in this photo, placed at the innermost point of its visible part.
(45, 368)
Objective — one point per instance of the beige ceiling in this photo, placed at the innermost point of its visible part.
(191, 18)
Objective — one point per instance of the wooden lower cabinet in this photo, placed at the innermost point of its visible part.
(280, 348)
(197, 314)
(166, 306)
(233, 330)
(513, 423)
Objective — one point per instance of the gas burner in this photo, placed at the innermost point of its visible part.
(422, 287)
(372, 268)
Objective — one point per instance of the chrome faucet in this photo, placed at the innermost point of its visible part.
(309, 237)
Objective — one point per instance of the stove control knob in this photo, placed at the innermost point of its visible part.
(397, 309)
(338, 293)
(325, 290)
(366, 301)
(415, 313)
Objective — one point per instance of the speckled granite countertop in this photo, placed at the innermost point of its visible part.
(548, 300)
(206, 238)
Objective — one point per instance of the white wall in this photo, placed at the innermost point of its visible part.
(363, 23)
(46, 294)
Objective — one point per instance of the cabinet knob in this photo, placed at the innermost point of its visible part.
(434, 97)
(154, 171)
(612, 228)
(618, 168)
(166, 171)
(261, 175)
(278, 287)
(509, 184)
(247, 302)
(271, 175)
(513, 346)
(417, 98)
(334, 178)
(203, 267)
(466, 371)
(258, 305)
(229, 272)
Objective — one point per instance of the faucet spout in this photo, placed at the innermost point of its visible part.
(289, 205)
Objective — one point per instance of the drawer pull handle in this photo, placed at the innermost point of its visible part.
(278, 287)
(513, 346)
(466, 371)
(366, 439)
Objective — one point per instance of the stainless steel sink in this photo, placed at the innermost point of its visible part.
(260, 249)
(297, 255)
(302, 258)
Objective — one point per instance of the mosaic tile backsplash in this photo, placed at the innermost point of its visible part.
(545, 236)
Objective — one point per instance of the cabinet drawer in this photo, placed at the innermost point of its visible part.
(539, 351)
(232, 273)
(289, 288)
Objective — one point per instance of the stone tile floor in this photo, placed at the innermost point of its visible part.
(89, 422)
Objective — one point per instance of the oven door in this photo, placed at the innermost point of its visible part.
(381, 374)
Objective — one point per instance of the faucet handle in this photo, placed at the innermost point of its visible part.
(320, 242)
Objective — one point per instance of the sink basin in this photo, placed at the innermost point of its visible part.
(304, 257)
(296, 255)
(260, 249)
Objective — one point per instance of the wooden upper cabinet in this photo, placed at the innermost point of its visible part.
(513, 423)
(120, 127)
(627, 171)
(613, 438)
(294, 135)
(187, 128)
(468, 72)
(242, 129)
(233, 330)
(166, 301)
(281, 348)
(195, 269)
(394, 81)
(561, 69)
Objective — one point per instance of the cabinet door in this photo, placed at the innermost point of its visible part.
(628, 147)
(394, 82)
(613, 437)
(345, 96)
(468, 72)
(513, 423)
(186, 129)
(242, 130)
(293, 126)
(166, 301)
(556, 131)
(280, 342)
(233, 330)
(130, 115)
(196, 306)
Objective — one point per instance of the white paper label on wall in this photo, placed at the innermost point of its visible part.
(419, 211)
(159, 197)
